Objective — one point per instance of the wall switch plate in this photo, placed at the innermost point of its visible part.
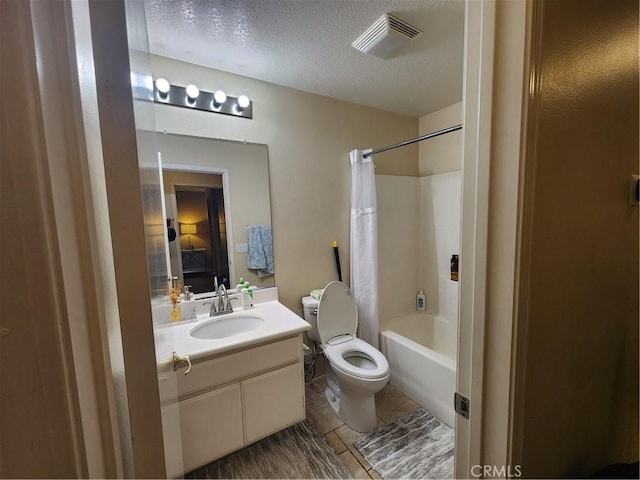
(241, 248)
(634, 190)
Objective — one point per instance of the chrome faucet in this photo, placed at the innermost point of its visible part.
(224, 304)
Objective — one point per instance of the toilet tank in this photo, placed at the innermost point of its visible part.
(310, 307)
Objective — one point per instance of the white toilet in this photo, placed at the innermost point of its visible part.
(355, 369)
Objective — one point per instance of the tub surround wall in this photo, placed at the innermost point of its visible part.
(440, 238)
(309, 138)
(398, 255)
(419, 225)
(440, 201)
(418, 231)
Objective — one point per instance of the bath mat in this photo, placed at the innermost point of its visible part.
(417, 445)
(299, 451)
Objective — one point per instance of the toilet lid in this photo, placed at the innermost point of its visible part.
(337, 313)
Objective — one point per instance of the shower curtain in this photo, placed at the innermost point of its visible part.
(364, 245)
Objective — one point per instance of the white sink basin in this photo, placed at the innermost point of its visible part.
(224, 327)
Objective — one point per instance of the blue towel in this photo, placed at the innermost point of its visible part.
(260, 249)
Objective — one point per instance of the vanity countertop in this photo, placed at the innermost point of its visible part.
(279, 322)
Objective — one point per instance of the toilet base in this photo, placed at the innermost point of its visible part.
(358, 412)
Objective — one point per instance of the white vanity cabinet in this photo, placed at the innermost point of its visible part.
(236, 398)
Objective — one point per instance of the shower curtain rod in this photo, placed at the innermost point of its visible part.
(414, 140)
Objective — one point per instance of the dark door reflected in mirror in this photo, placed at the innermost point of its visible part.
(201, 230)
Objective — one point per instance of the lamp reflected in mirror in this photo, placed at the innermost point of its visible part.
(189, 229)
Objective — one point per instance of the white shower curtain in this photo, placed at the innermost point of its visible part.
(364, 245)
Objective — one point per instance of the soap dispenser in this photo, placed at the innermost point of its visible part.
(421, 303)
(188, 305)
(247, 296)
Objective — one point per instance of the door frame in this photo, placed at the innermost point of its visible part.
(477, 112)
(481, 114)
(496, 101)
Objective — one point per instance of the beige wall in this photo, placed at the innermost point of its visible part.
(443, 153)
(309, 138)
(581, 371)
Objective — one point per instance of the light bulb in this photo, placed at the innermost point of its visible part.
(219, 97)
(243, 102)
(163, 86)
(192, 92)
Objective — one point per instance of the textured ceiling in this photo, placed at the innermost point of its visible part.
(306, 44)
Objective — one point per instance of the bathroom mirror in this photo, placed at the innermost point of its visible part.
(215, 192)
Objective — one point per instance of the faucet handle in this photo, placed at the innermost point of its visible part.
(213, 309)
(228, 307)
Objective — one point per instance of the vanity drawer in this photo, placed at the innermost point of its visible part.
(231, 367)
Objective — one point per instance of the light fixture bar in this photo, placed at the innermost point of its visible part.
(177, 96)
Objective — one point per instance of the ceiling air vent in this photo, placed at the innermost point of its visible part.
(387, 35)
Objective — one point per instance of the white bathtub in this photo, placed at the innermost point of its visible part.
(421, 351)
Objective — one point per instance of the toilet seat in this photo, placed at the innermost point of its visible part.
(338, 353)
(337, 324)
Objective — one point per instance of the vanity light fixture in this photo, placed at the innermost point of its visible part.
(219, 97)
(243, 102)
(163, 87)
(196, 99)
(192, 93)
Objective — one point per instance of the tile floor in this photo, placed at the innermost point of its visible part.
(390, 404)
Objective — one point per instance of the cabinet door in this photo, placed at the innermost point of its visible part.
(211, 426)
(273, 401)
